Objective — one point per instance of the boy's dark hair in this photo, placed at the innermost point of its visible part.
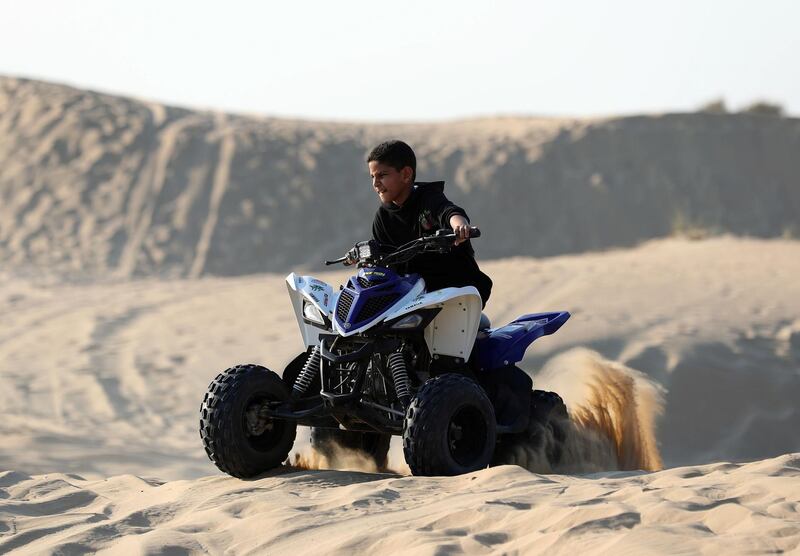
(396, 154)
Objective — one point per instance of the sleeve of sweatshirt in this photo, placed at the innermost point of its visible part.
(443, 208)
(378, 233)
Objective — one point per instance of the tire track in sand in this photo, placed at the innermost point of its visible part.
(227, 147)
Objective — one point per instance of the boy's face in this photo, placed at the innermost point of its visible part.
(391, 185)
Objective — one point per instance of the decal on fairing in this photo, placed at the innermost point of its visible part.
(312, 291)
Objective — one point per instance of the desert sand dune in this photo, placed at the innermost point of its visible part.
(97, 185)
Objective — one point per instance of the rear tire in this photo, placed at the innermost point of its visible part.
(549, 414)
(373, 445)
(449, 428)
(237, 443)
(547, 427)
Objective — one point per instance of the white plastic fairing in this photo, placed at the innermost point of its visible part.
(453, 330)
(316, 292)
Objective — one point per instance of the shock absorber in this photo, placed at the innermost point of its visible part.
(308, 373)
(397, 365)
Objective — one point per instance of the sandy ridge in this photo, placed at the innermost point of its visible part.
(97, 185)
(710, 509)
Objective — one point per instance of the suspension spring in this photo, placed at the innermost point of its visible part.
(308, 373)
(397, 365)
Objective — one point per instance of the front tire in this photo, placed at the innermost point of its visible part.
(449, 428)
(235, 439)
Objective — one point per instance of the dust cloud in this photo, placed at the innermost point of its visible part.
(613, 410)
(340, 458)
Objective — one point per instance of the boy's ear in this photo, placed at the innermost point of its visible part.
(406, 173)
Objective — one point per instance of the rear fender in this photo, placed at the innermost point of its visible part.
(506, 345)
(317, 292)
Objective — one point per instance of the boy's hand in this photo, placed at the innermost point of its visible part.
(460, 227)
(351, 258)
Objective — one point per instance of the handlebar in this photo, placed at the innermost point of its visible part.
(337, 261)
(440, 242)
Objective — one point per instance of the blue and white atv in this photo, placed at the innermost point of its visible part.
(386, 357)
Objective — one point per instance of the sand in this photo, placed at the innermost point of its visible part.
(102, 384)
(143, 249)
(721, 508)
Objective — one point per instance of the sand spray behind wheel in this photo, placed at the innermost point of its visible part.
(345, 459)
(613, 410)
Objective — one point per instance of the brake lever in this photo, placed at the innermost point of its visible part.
(337, 261)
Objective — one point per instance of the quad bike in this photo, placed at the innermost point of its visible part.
(386, 357)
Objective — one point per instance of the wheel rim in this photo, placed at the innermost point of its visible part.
(264, 437)
(466, 435)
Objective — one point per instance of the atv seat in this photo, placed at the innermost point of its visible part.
(483, 327)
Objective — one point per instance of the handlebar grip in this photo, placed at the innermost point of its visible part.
(474, 232)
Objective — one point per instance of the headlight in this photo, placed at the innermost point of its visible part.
(310, 312)
(408, 322)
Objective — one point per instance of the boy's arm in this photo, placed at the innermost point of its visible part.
(377, 232)
(451, 215)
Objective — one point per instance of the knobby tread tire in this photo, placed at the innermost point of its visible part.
(547, 412)
(222, 421)
(425, 427)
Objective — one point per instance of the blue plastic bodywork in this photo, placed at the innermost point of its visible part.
(506, 345)
(357, 299)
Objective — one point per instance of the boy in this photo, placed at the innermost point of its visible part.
(410, 210)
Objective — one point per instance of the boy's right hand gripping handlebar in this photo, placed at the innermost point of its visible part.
(473, 233)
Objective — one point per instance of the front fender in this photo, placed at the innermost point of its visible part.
(317, 292)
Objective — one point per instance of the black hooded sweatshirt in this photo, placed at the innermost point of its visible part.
(425, 211)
